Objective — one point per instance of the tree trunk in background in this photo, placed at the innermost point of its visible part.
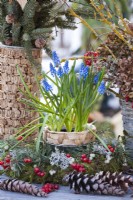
(127, 115)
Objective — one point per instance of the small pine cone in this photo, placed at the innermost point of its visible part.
(21, 186)
(8, 42)
(40, 43)
(10, 19)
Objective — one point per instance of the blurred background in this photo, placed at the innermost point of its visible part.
(69, 43)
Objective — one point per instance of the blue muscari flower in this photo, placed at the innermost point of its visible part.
(52, 69)
(96, 78)
(60, 72)
(55, 58)
(84, 70)
(102, 88)
(66, 67)
(47, 87)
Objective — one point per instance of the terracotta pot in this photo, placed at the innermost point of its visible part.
(12, 113)
(67, 138)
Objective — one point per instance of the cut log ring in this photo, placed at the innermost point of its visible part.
(12, 113)
(68, 138)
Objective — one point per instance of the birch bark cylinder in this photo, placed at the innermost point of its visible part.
(12, 113)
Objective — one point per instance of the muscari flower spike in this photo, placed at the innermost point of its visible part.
(66, 67)
(52, 70)
(60, 72)
(47, 87)
(55, 58)
(102, 88)
(96, 78)
(84, 70)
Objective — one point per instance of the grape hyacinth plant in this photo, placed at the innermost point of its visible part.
(77, 93)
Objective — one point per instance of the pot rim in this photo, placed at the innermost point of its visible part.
(17, 47)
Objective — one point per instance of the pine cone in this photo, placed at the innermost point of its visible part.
(21, 186)
(100, 183)
(40, 43)
(10, 19)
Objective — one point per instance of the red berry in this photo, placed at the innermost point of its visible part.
(112, 150)
(73, 165)
(89, 53)
(5, 166)
(49, 190)
(85, 160)
(1, 162)
(83, 156)
(56, 187)
(109, 146)
(68, 155)
(36, 169)
(7, 160)
(77, 166)
(46, 190)
(81, 169)
(27, 160)
(95, 54)
(88, 62)
(89, 161)
(42, 174)
(39, 173)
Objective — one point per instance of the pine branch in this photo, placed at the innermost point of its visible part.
(32, 25)
(7, 31)
(16, 33)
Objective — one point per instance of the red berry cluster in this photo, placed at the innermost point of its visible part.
(92, 57)
(78, 167)
(27, 160)
(48, 187)
(6, 162)
(111, 148)
(85, 159)
(38, 172)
